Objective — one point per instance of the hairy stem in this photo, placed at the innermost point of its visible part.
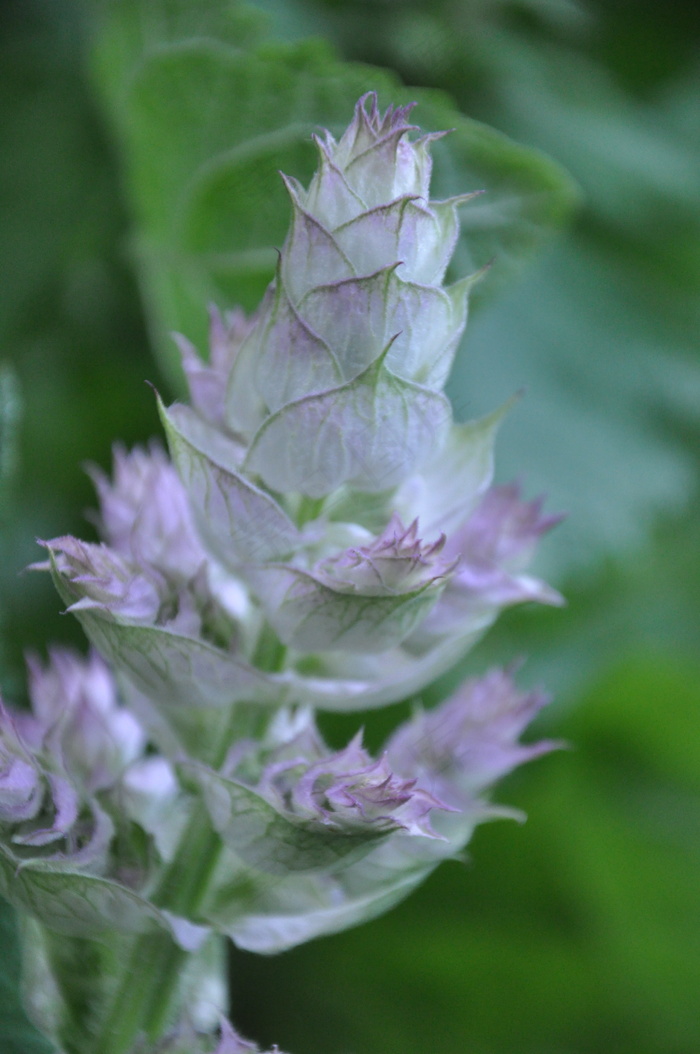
(148, 987)
(147, 992)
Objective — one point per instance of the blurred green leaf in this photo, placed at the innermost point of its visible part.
(17, 1034)
(605, 331)
(71, 330)
(592, 433)
(204, 127)
(9, 420)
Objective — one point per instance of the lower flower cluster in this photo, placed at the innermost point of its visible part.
(86, 795)
(303, 840)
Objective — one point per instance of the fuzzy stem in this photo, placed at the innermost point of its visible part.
(148, 986)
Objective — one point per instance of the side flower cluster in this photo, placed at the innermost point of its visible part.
(322, 536)
(81, 801)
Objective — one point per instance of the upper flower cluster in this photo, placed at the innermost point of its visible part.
(330, 536)
(339, 379)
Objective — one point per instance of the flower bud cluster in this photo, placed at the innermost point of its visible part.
(74, 773)
(345, 790)
(323, 536)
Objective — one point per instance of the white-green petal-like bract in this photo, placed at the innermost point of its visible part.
(84, 905)
(274, 843)
(369, 433)
(240, 521)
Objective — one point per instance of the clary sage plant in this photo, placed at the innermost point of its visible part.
(322, 537)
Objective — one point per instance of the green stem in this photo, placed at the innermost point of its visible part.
(270, 652)
(140, 1002)
(148, 986)
(309, 509)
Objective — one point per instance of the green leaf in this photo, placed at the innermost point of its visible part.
(204, 128)
(589, 433)
(71, 327)
(604, 331)
(9, 419)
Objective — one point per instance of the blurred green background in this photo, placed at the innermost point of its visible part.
(140, 141)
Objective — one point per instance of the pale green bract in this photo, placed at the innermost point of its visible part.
(323, 536)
